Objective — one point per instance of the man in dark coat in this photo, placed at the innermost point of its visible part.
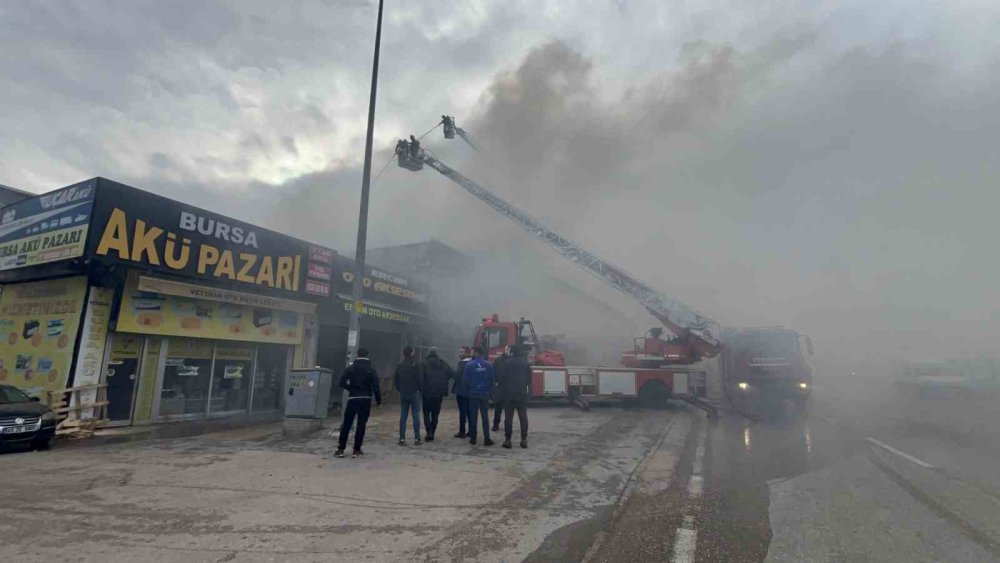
(461, 390)
(409, 382)
(361, 382)
(514, 387)
(497, 402)
(437, 373)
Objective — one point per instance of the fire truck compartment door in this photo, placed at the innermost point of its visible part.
(616, 383)
(681, 384)
(555, 382)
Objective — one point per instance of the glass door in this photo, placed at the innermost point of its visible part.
(231, 377)
(121, 376)
(269, 376)
(187, 377)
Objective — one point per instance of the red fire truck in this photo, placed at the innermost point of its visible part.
(551, 378)
(656, 369)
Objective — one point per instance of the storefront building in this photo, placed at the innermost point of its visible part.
(390, 317)
(181, 312)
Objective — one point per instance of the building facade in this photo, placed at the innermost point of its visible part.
(183, 313)
(442, 270)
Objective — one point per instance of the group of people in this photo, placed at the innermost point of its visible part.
(423, 386)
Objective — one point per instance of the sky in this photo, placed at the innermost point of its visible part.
(825, 165)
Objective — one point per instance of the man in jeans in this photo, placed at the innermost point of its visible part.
(437, 373)
(361, 382)
(409, 382)
(461, 390)
(514, 387)
(479, 376)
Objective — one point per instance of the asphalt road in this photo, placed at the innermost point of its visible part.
(855, 480)
(863, 477)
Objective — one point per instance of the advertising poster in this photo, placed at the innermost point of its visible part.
(148, 312)
(38, 328)
(46, 228)
(93, 338)
(234, 360)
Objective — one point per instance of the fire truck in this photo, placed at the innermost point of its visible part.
(551, 378)
(657, 368)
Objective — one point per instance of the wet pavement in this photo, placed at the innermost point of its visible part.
(853, 481)
(250, 495)
(845, 483)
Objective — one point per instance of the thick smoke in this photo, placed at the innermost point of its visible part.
(845, 194)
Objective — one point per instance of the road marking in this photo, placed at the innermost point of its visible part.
(685, 542)
(901, 454)
(695, 486)
(696, 483)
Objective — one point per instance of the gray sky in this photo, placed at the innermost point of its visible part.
(825, 165)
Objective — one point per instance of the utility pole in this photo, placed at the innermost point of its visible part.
(357, 295)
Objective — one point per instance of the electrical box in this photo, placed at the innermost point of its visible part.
(307, 392)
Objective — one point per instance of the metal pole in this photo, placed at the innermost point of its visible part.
(354, 325)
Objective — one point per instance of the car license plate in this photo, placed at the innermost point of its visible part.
(16, 429)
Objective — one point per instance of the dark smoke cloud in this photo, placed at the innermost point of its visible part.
(845, 194)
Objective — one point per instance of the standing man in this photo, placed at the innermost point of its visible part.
(461, 390)
(479, 376)
(409, 382)
(361, 381)
(497, 399)
(515, 387)
(437, 372)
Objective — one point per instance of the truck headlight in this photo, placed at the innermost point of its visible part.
(48, 416)
(803, 385)
(743, 385)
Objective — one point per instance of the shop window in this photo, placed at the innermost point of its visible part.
(272, 363)
(231, 377)
(186, 377)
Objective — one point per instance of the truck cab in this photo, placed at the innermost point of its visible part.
(495, 335)
(767, 365)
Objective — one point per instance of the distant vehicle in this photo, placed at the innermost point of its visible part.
(950, 378)
(24, 420)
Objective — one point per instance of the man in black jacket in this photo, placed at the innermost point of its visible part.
(497, 400)
(437, 372)
(409, 382)
(361, 381)
(461, 390)
(514, 389)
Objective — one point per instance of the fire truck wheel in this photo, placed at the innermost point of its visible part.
(654, 395)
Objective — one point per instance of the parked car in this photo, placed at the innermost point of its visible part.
(24, 420)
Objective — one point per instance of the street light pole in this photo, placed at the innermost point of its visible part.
(357, 295)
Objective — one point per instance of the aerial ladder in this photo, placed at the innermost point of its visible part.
(694, 333)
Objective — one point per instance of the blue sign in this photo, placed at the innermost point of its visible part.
(46, 228)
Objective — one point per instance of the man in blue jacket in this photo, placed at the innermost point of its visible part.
(461, 390)
(479, 377)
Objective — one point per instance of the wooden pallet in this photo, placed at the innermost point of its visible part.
(81, 419)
